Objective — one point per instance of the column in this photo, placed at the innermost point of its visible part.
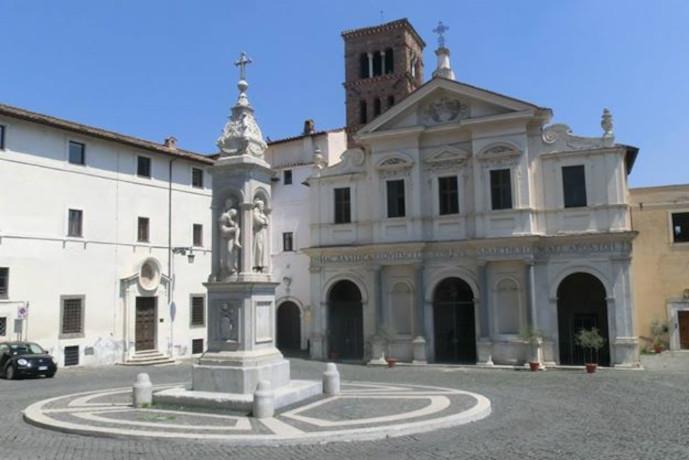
(625, 350)
(420, 355)
(378, 344)
(484, 344)
(370, 64)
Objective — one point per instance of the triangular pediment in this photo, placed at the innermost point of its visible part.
(445, 102)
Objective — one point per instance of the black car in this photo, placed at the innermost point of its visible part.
(25, 359)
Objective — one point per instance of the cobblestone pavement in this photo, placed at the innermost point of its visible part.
(547, 415)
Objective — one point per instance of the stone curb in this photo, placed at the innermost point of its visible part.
(482, 409)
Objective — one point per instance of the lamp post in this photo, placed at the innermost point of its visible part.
(185, 251)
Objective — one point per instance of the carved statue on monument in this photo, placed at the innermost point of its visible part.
(229, 233)
(260, 236)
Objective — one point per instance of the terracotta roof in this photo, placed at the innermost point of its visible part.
(294, 138)
(99, 133)
(399, 23)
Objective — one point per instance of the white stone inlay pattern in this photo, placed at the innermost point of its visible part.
(400, 410)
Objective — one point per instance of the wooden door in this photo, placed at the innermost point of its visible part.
(145, 323)
(683, 320)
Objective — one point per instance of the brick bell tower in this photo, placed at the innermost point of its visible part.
(383, 64)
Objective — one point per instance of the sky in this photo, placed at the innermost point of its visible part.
(157, 68)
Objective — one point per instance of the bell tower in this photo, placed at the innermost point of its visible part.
(383, 64)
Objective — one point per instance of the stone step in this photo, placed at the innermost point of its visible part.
(148, 358)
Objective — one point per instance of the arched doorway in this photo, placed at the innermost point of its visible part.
(288, 327)
(345, 322)
(581, 304)
(454, 322)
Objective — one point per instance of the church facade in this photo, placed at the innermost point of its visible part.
(459, 217)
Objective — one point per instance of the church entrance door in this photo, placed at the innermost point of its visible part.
(345, 322)
(145, 323)
(581, 305)
(454, 322)
(288, 327)
(683, 320)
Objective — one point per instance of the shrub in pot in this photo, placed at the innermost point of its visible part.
(591, 340)
(534, 338)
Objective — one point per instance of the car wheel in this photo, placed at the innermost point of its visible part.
(50, 375)
(9, 372)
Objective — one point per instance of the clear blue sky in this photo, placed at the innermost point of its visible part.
(164, 67)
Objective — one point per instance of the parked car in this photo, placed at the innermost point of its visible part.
(25, 359)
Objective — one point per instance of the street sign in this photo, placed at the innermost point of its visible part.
(23, 311)
(18, 326)
(173, 311)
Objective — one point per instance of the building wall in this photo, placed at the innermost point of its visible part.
(45, 264)
(660, 266)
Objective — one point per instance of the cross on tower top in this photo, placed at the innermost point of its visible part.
(242, 62)
(440, 30)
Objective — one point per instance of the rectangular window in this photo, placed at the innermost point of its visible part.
(72, 317)
(395, 190)
(196, 346)
(501, 189)
(72, 355)
(142, 234)
(574, 186)
(680, 227)
(197, 177)
(448, 195)
(198, 235)
(288, 241)
(4, 282)
(74, 225)
(3, 326)
(143, 167)
(198, 310)
(77, 153)
(287, 177)
(343, 206)
(2, 137)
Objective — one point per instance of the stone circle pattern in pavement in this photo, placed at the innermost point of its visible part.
(362, 411)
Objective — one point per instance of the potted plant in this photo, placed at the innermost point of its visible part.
(659, 331)
(591, 340)
(534, 338)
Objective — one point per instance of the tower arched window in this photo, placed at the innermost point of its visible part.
(363, 65)
(377, 107)
(377, 64)
(363, 109)
(389, 61)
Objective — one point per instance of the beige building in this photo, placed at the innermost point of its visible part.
(661, 261)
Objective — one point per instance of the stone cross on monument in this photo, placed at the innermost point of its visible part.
(440, 30)
(242, 62)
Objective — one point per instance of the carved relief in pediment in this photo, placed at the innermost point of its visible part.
(559, 137)
(444, 109)
(500, 153)
(446, 157)
(394, 165)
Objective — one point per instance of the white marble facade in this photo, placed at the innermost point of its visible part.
(513, 260)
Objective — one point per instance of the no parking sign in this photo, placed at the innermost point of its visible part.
(23, 311)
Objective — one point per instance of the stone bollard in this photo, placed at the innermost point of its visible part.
(142, 391)
(331, 380)
(263, 400)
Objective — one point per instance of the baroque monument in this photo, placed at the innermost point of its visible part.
(241, 292)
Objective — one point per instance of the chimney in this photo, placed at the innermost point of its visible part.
(309, 127)
(170, 142)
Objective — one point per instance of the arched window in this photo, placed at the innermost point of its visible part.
(377, 64)
(363, 109)
(389, 61)
(507, 307)
(402, 303)
(391, 101)
(376, 107)
(363, 66)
